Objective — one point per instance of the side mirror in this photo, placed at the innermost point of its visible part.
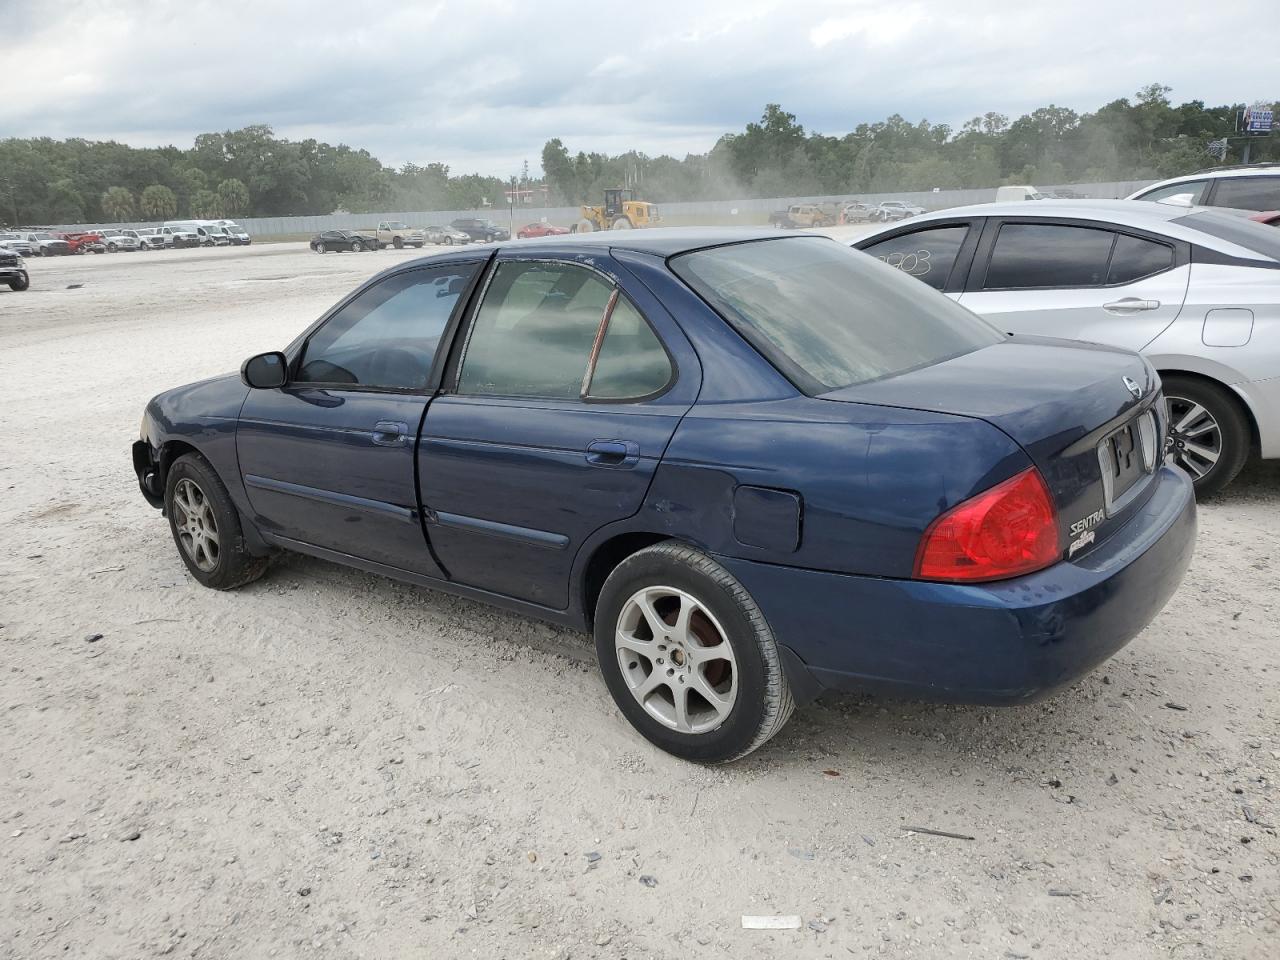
(265, 371)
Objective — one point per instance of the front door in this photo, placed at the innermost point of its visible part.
(1077, 282)
(561, 407)
(328, 459)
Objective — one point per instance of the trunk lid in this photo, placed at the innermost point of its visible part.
(1096, 439)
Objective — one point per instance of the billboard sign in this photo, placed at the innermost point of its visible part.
(1258, 119)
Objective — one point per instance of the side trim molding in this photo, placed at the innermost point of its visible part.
(536, 538)
(332, 498)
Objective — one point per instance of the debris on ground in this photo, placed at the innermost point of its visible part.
(789, 922)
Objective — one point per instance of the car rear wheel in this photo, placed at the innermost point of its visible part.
(320, 248)
(688, 657)
(1208, 433)
(206, 526)
(398, 243)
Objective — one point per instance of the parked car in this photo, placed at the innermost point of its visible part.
(47, 244)
(336, 240)
(1013, 193)
(446, 235)
(756, 466)
(540, 229)
(20, 244)
(858, 212)
(13, 270)
(148, 238)
(179, 235)
(1251, 187)
(480, 229)
(1197, 290)
(83, 242)
(396, 233)
(888, 210)
(116, 240)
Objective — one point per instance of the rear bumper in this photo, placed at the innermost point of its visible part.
(1008, 642)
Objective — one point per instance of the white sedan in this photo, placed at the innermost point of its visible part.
(1196, 290)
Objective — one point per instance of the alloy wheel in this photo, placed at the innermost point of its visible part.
(197, 527)
(676, 659)
(1195, 438)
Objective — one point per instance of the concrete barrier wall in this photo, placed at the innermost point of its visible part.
(687, 213)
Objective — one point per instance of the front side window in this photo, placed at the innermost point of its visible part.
(386, 337)
(1046, 255)
(1192, 191)
(1248, 193)
(827, 316)
(535, 330)
(927, 255)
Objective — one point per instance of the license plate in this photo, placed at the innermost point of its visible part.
(1126, 456)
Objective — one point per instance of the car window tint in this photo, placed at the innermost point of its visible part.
(1248, 193)
(1135, 258)
(1193, 190)
(927, 255)
(827, 316)
(534, 332)
(387, 336)
(1236, 229)
(632, 362)
(1045, 255)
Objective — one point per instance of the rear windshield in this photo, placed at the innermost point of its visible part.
(827, 316)
(1241, 231)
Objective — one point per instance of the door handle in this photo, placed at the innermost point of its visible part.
(390, 433)
(613, 453)
(1130, 305)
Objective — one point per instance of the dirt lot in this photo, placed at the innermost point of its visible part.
(327, 763)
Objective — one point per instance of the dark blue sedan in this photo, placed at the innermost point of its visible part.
(756, 466)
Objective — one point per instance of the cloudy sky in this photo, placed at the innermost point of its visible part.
(482, 84)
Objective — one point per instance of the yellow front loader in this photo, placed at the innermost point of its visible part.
(621, 211)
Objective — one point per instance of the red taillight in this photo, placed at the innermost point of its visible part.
(1003, 532)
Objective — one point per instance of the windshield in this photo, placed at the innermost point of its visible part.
(41, 236)
(827, 316)
(1241, 231)
(394, 225)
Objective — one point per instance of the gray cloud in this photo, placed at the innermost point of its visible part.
(481, 85)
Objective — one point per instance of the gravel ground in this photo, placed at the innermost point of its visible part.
(326, 763)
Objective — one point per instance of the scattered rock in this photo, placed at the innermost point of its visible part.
(533, 857)
(1175, 706)
(800, 854)
(818, 926)
(1112, 780)
(593, 857)
(648, 881)
(304, 891)
(131, 835)
(603, 939)
(93, 638)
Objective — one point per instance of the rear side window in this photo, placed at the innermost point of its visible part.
(827, 316)
(1248, 193)
(1135, 258)
(537, 327)
(1192, 190)
(927, 255)
(1236, 229)
(1046, 255)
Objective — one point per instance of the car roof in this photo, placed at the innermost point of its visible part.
(1167, 219)
(1218, 173)
(659, 241)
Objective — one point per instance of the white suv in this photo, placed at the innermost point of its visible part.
(1252, 187)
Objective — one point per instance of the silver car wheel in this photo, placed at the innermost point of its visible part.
(1195, 438)
(676, 659)
(197, 528)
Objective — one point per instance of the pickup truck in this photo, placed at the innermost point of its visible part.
(395, 233)
(802, 215)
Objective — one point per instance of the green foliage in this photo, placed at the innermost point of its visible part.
(117, 204)
(251, 172)
(158, 202)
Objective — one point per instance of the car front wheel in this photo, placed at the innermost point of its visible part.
(18, 284)
(1208, 433)
(206, 526)
(688, 657)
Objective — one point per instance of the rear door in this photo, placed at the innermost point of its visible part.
(567, 387)
(1079, 280)
(328, 460)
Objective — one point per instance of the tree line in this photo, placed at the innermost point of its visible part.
(251, 172)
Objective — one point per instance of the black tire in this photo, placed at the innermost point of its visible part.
(18, 284)
(397, 243)
(1233, 435)
(233, 566)
(763, 703)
